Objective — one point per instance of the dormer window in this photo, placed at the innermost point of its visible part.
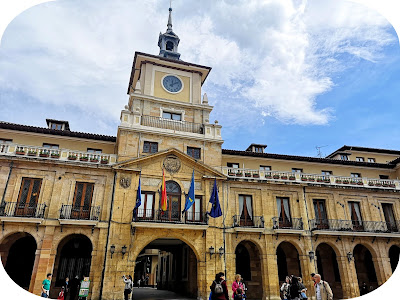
(57, 124)
(344, 157)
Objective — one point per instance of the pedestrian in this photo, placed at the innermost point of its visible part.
(128, 286)
(46, 286)
(238, 295)
(74, 285)
(61, 294)
(138, 283)
(285, 288)
(322, 289)
(66, 288)
(219, 290)
(364, 289)
(303, 294)
(295, 288)
(312, 278)
(237, 284)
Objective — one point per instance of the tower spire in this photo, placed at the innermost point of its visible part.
(169, 25)
(169, 41)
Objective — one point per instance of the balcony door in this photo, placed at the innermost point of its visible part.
(173, 211)
(355, 213)
(283, 206)
(146, 208)
(28, 197)
(246, 210)
(321, 220)
(389, 217)
(82, 201)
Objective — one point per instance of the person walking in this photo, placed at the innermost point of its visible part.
(295, 288)
(46, 286)
(61, 295)
(285, 288)
(364, 289)
(237, 284)
(66, 288)
(128, 286)
(219, 289)
(322, 289)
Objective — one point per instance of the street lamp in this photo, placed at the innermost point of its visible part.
(221, 252)
(311, 255)
(123, 250)
(212, 251)
(112, 250)
(349, 256)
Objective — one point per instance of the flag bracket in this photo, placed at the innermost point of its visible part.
(277, 235)
(259, 237)
(133, 230)
(204, 233)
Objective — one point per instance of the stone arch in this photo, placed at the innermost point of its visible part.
(73, 258)
(294, 243)
(329, 268)
(365, 267)
(249, 264)
(334, 246)
(368, 246)
(288, 260)
(18, 250)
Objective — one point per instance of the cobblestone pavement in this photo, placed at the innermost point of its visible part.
(154, 294)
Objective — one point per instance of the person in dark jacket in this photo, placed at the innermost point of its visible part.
(295, 288)
(219, 280)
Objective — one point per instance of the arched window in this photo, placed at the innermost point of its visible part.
(170, 46)
(173, 212)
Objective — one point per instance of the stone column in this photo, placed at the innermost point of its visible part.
(270, 271)
(348, 277)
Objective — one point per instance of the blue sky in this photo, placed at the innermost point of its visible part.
(290, 74)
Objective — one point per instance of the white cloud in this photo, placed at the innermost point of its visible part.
(272, 57)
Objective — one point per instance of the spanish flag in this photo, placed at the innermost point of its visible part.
(163, 193)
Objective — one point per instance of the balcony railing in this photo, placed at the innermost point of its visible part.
(355, 226)
(158, 216)
(293, 223)
(159, 122)
(71, 212)
(280, 176)
(56, 154)
(15, 209)
(252, 222)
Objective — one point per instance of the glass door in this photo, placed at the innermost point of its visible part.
(356, 218)
(321, 220)
(245, 210)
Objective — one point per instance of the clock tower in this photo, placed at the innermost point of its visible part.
(166, 107)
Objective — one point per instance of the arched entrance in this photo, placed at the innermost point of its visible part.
(394, 254)
(365, 267)
(167, 264)
(18, 256)
(328, 268)
(248, 265)
(288, 261)
(73, 259)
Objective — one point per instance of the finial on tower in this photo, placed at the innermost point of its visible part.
(169, 41)
(169, 25)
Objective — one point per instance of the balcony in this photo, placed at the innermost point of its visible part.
(174, 125)
(79, 215)
(10, 149)
(293, 223)
(164, 218)
(20, 212)
(323, 180)
(354, 226)
(249, 223)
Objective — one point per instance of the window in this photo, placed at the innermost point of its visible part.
(194, 212)
(146, 208)
(344, 157)
(173, 212)
(355, 175)
(383, 176)
(28, 197)
(296, 170)
(50, 146)
(94, 151)
(5, 141)
(82, 200)
(232, 165)
(259, 149)
(194, 152)
(355, 213)
(359, 158)
(265, 168)
(172, 116)
(321, 220)
(283, 212)
(371, 160)
(56, 126)
(245, 210)
(389, 217)
(150, 147)
(327, 173)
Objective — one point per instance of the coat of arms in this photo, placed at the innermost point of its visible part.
(125, 182)
(172, 164)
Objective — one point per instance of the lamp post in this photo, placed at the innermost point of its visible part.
(221, 251)
(349, 256)
(311, 255)
(212, 251)
(112, 250)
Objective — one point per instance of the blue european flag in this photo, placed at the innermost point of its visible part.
(190, 195)
(214, 200)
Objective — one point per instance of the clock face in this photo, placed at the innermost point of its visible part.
(172, 84)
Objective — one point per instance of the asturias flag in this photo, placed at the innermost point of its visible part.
(163, 193)
(214, 200)
(190, 196)
(138, 198)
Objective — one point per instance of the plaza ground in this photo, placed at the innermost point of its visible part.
(154, 294)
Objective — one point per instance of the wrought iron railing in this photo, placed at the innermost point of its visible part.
(80, 212)
(158, 216)
(159, 122)
(252, 222)
(293, 223)
(354, 225)
(15, 209)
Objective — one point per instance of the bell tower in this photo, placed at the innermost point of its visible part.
(169, 41)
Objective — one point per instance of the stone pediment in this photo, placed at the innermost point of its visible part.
(173, 161)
